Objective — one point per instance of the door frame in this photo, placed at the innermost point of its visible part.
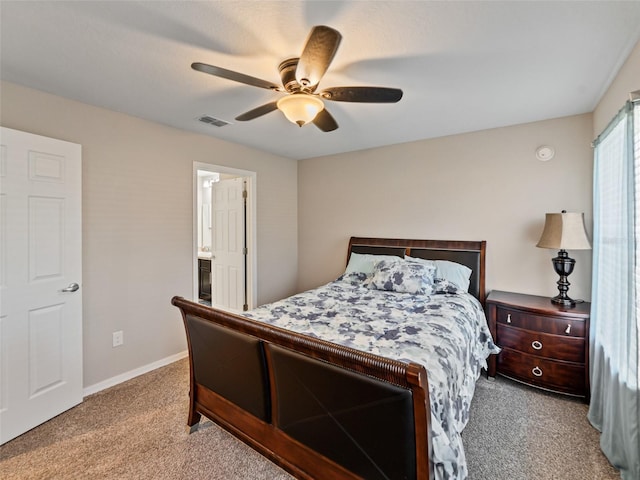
(251, 230)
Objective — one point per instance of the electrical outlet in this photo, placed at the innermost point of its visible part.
(118, 338)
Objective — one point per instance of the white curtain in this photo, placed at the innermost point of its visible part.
(615, 318)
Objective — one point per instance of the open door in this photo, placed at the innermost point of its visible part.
(40, 280)
(228, 249)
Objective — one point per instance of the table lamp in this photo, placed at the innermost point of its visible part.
(564, 231)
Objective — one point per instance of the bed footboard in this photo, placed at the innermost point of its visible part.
(317, 409)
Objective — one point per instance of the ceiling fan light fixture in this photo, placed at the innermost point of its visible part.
(300, 108)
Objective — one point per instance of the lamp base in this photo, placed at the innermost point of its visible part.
(563, 266)
(563, 301)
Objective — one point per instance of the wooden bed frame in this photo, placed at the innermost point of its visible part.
(318, 409)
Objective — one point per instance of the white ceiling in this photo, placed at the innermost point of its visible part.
(463, 66)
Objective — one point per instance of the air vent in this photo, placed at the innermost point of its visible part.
(213, 121)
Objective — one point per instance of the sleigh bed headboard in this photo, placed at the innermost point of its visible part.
(469, 253)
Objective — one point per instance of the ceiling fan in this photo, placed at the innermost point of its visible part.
(300, 78)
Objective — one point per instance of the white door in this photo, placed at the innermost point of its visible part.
(40, 279)
(227, 249)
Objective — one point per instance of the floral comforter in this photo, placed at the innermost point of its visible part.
(445, 332)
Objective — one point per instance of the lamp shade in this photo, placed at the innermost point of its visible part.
(564, 231)
(300, 108)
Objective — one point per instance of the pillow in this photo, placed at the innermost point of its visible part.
(365, 263)
(403, 277)
(440, 285)
(456, 273)
(354, 278)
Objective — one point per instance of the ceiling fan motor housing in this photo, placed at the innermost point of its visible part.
(287, 71)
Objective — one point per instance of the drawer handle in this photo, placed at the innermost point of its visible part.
(568, 329)
(508, 318)
(536, 345)
(536, 371)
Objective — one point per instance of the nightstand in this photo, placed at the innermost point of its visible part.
(543, 345)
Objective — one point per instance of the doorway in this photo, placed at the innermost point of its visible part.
(224, 250)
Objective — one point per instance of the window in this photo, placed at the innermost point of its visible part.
(615, 310)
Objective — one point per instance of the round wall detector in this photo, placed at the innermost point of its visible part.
(545, 153)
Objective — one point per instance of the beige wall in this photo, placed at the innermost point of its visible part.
(137, 222)
(626, 81)
(486, 185)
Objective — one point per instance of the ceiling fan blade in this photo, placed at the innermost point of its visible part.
(317, 54)
(257, 112)
(325, 121)
(235, 76)
(362, 94)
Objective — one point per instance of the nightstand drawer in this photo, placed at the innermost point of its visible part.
(563, 377)
(570, 327)
(542, 344)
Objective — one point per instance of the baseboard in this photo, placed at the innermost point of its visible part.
(123, 377)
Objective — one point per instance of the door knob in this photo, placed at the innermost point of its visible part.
(71, 288)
